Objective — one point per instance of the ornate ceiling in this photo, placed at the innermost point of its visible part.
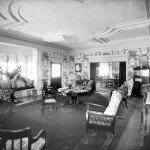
(75, 23)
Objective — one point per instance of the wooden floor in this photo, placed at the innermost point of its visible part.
(130, 139)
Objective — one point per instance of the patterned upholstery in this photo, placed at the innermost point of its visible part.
(35, 146)
(5, 95)
(100, 119)
(18, 86)
(13, 83)
(5, 84)
(20, 83)
(29, 82)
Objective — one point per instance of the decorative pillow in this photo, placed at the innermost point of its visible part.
(13, 83)
(20, 83)
(29, 82)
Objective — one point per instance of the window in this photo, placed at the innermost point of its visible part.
(108, 70)
(55, 70)
(104, 70)
(10, 62)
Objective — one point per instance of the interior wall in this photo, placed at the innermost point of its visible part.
(48, 56)
(130, 55)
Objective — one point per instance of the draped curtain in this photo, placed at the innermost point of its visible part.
(22, 62)
(3, 62)
(10, 62)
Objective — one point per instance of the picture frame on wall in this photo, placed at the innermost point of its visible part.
(78, 67)
(143, 61)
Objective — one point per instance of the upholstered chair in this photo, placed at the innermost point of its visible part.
(103, 118)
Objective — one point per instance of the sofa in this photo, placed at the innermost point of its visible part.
(104, 118)
(15, 88)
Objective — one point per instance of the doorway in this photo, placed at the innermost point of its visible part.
(56, 74)
(108, 74)
(122, 73)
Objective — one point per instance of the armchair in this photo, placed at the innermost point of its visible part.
(21, 139)
(103, 118)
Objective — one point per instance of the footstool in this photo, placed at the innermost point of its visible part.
(50, 102)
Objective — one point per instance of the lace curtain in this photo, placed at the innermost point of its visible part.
(3, 62)
(9, 62)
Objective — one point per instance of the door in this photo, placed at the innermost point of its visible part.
(93, 72)
(122, 73)
(56, 74)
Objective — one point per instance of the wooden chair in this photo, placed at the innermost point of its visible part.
(52, 103)
(22, 140)
(47, 89)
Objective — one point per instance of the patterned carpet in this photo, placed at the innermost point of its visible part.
(66, 128)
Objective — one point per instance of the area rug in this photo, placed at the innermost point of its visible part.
(65, 129)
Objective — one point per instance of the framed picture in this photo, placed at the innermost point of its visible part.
(78, 67)
(143, 61)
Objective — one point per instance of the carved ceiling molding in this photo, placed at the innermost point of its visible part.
(10, 14)
(118, 28)
(132, 42)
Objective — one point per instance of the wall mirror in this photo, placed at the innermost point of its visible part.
(143, 61)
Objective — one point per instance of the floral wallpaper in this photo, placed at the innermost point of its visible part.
(79, 58)
(133, 58)
(69, 61)
(45, 64)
